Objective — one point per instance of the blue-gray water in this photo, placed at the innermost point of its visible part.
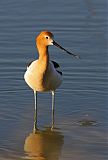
(81, 27)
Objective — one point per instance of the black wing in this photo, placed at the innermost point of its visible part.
(29, 64)
(56, 65)
(59, 72)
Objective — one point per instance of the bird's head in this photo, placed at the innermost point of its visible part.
(46, 38)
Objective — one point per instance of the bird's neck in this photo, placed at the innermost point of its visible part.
(43, 56)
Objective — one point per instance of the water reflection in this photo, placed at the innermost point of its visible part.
(44, 145)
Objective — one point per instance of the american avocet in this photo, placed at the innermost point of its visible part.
(43, 74)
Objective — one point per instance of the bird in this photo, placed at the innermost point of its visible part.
(42, 74)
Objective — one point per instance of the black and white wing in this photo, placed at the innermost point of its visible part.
(56, 66)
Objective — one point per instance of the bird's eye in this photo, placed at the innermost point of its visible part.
(47, 37)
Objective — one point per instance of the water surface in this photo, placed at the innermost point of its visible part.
(81, 27)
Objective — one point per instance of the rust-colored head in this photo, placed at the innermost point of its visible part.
(45, 38)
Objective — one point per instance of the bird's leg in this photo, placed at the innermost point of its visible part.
(35, 113)
(53, 103)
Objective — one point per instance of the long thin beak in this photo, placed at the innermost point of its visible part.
(57, 45)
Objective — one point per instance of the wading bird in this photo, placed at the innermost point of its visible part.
(42, 74)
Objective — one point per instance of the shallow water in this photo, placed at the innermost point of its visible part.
(81, 101)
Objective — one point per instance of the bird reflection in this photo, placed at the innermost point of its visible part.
(44, 145)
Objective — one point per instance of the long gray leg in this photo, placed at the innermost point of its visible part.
(53, 104)
(35, 112)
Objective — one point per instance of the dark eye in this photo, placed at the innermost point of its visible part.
(47, 37)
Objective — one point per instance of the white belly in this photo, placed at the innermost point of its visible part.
(49, 80)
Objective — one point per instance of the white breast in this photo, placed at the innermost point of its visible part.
(42, 81)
